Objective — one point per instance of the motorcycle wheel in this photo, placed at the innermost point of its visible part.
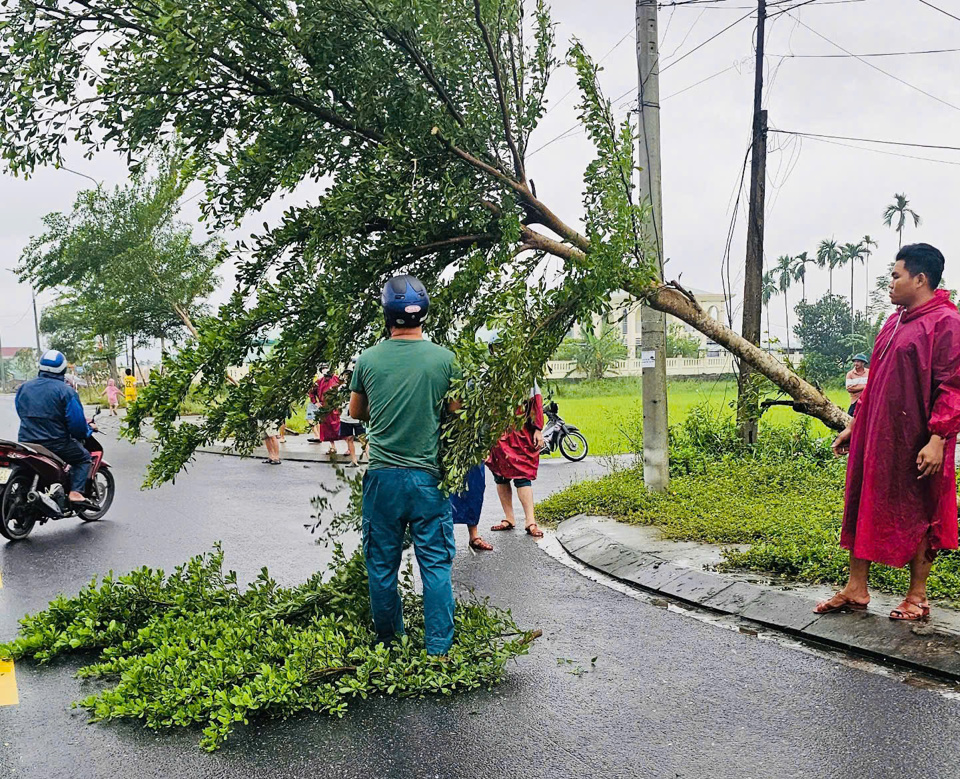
(16, 521)
(574, 447)
(103, 491)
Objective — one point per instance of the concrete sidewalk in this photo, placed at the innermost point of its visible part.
(681, 570)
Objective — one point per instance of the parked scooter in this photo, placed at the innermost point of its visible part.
(35, 484)
(557, 434)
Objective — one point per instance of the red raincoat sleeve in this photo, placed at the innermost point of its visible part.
(536, 412)
(945, 414)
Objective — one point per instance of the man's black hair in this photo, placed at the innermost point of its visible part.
(923, 258)
(129, 372)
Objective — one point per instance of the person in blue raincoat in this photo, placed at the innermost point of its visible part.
(468, 504)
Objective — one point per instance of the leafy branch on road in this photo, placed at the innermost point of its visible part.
(192, 648)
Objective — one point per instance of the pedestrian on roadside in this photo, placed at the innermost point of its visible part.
(112, 393)
(399, 387)
(271, 431)
(901, 493)
(129, 386)
(516, 457)
(468, 504)
(327, 427)
(857, 380)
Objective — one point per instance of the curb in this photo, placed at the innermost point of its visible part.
(918, 646)
(288, 456)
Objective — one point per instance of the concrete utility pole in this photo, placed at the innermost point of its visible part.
(748, 411)
(653, 337)
(36, 324)
(3, 369)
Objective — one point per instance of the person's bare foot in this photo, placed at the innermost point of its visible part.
(76, 497)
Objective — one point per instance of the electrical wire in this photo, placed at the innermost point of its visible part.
(875, 67)
(867, 140)
(704, 43)
(599, 62)
(873, 54)
(887, 153)
(938, 8)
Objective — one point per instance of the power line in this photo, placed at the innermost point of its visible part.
(867, 140)
(887, 153)
(708, 40)
(701, 81)
(937, 8)
(599, 62)
(875, 54)
(875, 67)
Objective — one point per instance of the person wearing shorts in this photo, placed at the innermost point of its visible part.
(350, 431)
(270, 432)
(516, 457)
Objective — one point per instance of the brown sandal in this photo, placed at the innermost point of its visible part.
(480, 545)
(536, 533)
(839, 603)
(503, 526)
(904, 613)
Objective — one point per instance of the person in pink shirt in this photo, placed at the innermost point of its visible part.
(112, 393)
(857, 380)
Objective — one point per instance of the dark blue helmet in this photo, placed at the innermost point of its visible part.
(405, 302)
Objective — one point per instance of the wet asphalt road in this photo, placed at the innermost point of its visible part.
(669, 696)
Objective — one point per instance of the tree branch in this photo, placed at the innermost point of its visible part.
(501, 97)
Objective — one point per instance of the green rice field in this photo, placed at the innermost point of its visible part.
(609, 412)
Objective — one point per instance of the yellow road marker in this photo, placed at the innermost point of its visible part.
(8, 684)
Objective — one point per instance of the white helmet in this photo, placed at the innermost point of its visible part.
(53, 362)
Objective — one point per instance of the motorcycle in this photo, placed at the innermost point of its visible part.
(35, 484)
(557, 434)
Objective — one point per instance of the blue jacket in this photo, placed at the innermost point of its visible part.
(50, 410)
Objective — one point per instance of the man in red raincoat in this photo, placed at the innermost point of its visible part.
(901, 496)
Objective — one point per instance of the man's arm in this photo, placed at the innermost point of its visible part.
(359, 407)
(76, 419)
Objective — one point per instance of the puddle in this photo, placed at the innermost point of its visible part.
(551, 545)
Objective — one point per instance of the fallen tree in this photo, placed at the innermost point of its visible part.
(417, 118)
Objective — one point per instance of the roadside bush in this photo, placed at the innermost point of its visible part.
(787, 508)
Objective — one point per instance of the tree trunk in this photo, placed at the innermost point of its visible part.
(768, 327)
(110, 342)
(808, 399)
(786, 318)
(830, 273)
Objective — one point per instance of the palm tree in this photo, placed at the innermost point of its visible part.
(900, 209)
(768, 290)
(784, 271)
(829, 256)
(852, 254)
(800, 263)
(866, 243)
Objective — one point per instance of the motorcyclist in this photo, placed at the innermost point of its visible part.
(51, 415)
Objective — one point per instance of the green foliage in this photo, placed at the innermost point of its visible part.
(124, 264)
(825, 329)
(680, 343)
(418, 116)
(193, 649)
(784, 499)
(594, 356)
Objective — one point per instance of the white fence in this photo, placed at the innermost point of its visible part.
(676, 366)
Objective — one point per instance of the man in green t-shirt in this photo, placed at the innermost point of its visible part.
(399, 386)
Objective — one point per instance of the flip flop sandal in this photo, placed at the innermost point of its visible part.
(538, 533)
(902, 614)
(503, 526)
(480, 545)
(824, 607)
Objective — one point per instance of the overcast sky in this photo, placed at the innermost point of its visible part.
(815, 189)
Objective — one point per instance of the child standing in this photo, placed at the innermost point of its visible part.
(112, 393)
